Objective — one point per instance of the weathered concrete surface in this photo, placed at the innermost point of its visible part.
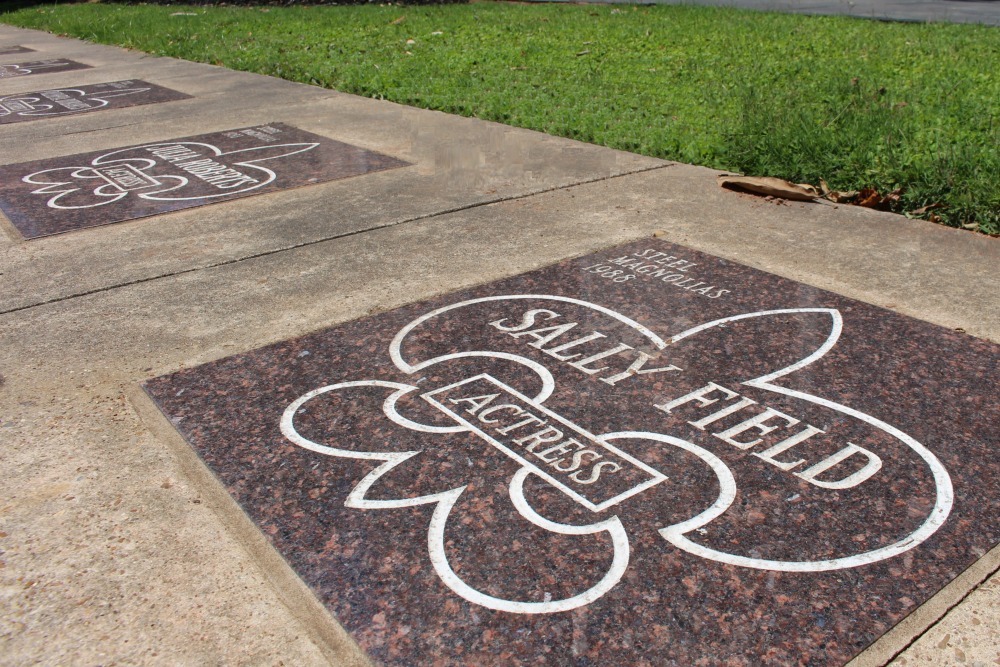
(478, 163)
(119, 547)
(969, 635)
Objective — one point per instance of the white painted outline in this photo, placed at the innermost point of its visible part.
(655, 475)
(675, 534)
(548, 382)
(446, 500)
(408, 368)
(108, 191)
(389, 408)
(20, 70)
(727, 483)
(288, 420)
(943, 486)
(619, 563)
(31, 99)
(150, 182)
(945, 493)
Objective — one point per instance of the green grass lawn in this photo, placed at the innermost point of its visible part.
(858, 103)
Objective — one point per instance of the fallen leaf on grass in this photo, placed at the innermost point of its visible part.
(845, 197)
(773, 187)
(836, 196)
(397, 21)
(929, 207)
(871, 198)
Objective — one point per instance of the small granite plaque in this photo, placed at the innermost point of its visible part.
(8, 50)
(78, 191)
(11, 70)
(646, 456)
(82, 99)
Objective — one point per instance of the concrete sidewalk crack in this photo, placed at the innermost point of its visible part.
(334, 237)
(97, 129)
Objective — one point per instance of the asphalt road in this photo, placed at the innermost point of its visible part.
(951, 11)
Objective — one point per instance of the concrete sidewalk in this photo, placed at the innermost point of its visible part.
(120, 547)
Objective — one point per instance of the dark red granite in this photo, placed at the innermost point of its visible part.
(11, 70)
(448, 502)
(62, 102)
(8, 50)
(78, 191)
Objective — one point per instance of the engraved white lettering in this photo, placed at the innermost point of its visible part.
(786, 444)
(527, 320)
(547, 434)
(595, 472)
(698, 395)
(635, 368)
(476, 403)
(758, 422)
(872, 466)
(764, 423)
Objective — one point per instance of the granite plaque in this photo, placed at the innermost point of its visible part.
(82, 99)
(646, 456)
(91, 189)
(11, 70)
(8, 50)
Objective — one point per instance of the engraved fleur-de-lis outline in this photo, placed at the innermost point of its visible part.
(111, 193)
(19, 69)
(675, 534)
(37, 98)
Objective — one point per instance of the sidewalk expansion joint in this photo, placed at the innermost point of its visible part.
(105, 128)
(334, 237)
(941, 616)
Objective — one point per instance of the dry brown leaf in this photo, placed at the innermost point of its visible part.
(929, 207)
(845, 197)
(774, 187)
(869, 198)
(836, 196)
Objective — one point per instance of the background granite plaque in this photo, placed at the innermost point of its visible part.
(11, 70)
(59, 102)
(91, 189)
(7, 50)
(788, 473)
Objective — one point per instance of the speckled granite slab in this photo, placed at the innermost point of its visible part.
(61, 102)
(8, 50)
(11, 70)
(645, 456)
(77, 191)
